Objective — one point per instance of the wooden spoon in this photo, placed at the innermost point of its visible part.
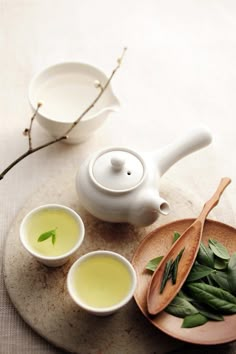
(190, 241)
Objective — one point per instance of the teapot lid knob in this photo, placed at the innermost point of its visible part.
(117, 169)
(117, 162)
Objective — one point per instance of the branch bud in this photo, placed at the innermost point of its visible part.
(119, 60)
(26, 132)
(97, 84)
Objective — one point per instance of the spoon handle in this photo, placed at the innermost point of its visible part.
(213, 201)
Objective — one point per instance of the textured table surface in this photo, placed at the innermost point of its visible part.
(179, 71)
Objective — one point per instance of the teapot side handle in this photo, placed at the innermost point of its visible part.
(195, 139)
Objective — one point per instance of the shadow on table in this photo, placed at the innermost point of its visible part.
(196, 349)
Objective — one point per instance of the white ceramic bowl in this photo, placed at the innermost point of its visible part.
(52, 261)
(98, 274)
(66, 90)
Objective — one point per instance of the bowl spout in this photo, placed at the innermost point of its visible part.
(114, 105)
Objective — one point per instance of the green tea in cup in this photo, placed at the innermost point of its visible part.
(51, 233)
(101, 282)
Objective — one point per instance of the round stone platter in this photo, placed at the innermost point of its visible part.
(40, 294)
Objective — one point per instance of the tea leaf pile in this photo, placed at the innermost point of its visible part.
(209, 292)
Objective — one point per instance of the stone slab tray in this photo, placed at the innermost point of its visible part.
(40, 295)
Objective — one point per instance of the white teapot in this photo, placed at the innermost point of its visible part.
(121, 185)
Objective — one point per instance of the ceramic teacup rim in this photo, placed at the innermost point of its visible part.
(109, 309)
(52, 206)
(62, 63)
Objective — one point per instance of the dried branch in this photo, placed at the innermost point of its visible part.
(28, 131)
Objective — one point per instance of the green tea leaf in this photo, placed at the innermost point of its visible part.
(208, 313)
(182, 294)
(199, 271)
(180, 254)
(180, 307)
(221, 279)
(232, 273)
(209, 280)
(46, 235)
(176, 236)
(165, 275)
(205, 256)
(218, 299)
(220, 264)
(171, 269)
(194, 320)
(174, 270)
(53, 238)
(218, 249)
(211, 316)
(153, 263)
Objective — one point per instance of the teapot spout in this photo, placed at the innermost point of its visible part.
(150, 206)
(162, 206)
(192, 141)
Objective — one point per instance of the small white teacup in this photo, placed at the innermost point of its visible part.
(101, 282)
(52, 233)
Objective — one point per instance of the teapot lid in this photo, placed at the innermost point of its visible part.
(117, 169)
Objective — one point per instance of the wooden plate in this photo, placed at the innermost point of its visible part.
(158, 243)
